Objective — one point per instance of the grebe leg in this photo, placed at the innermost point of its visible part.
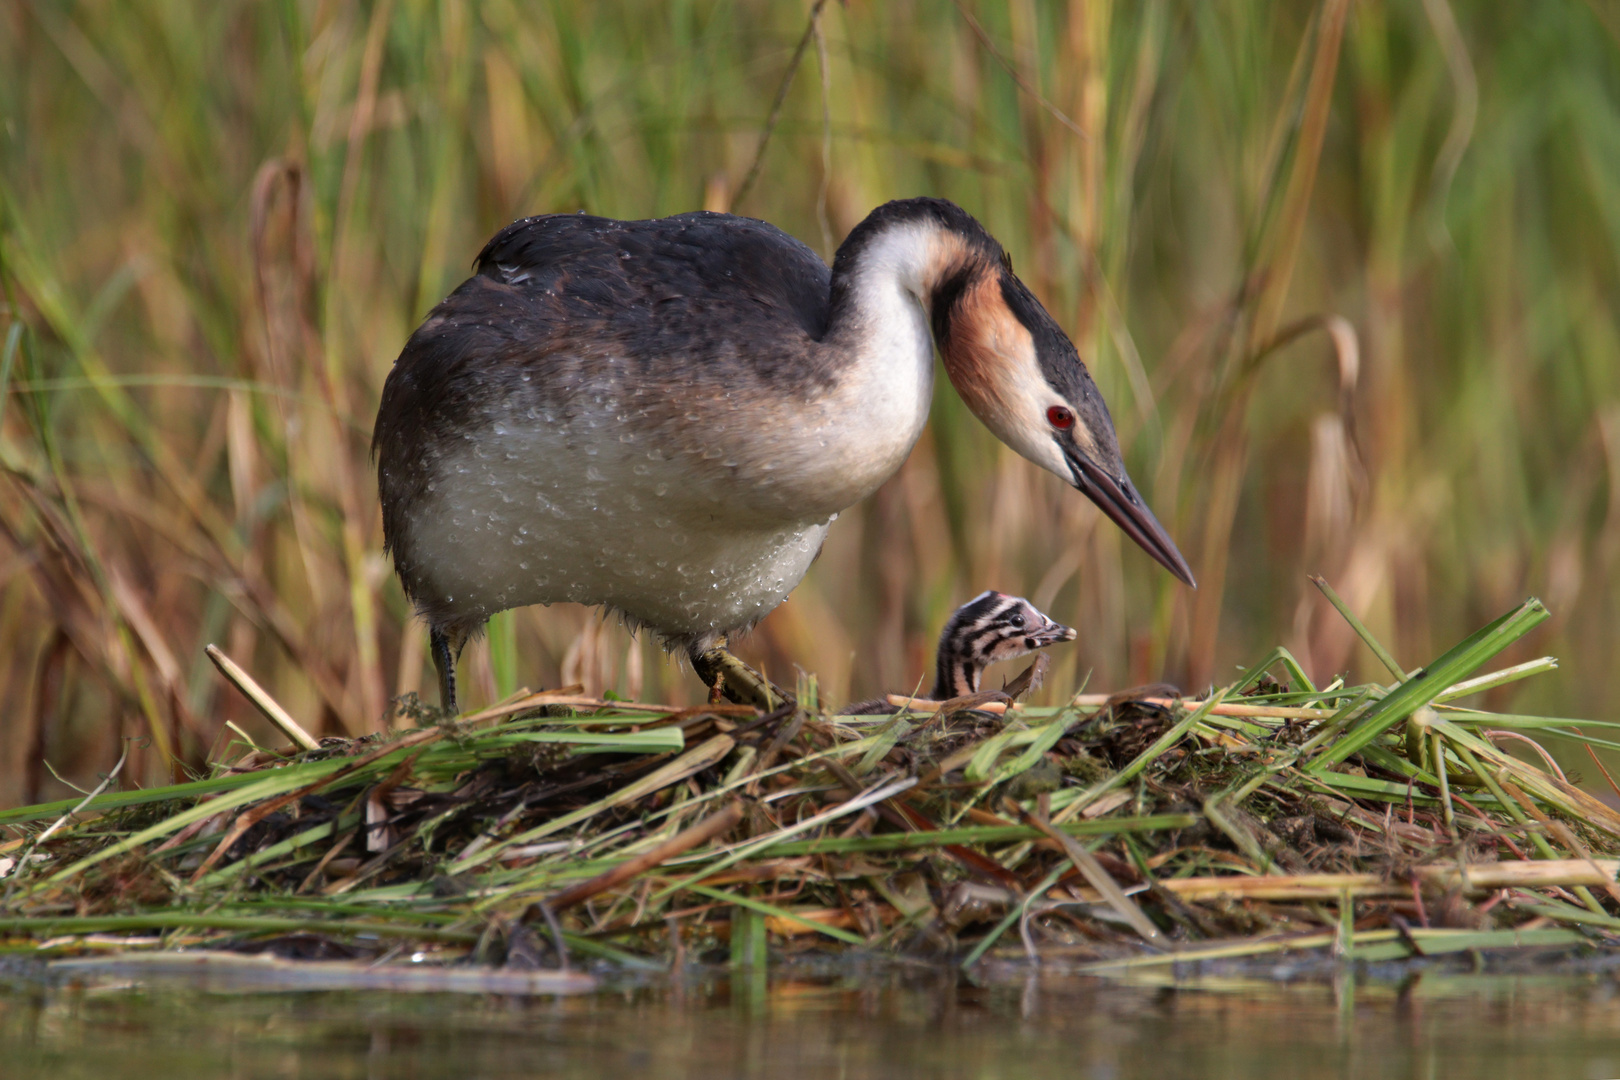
(444, 660)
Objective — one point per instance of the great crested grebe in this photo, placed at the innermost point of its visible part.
(991, 627)
(663, 417)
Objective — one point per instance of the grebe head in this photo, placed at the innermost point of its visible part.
(1008, 358)
(1020, 374)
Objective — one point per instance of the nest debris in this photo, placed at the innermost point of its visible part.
(1371, 822)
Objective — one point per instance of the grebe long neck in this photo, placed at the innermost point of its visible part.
(903, 269)
(922, 273)
(874, 358)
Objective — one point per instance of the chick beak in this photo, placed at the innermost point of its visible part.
(1119, 500)
(1052, 633)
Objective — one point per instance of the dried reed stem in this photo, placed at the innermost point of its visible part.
(268, 707)
(1476, 878)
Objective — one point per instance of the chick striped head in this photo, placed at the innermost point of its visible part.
(992, 626)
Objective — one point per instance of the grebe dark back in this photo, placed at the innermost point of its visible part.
(663, 417)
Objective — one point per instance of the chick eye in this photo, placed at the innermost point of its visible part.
(1018, 620)
(1060, 418)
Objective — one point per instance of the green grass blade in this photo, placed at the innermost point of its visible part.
(1278, 655)
(267, 788)
(978, 835)
(1378, 650)
(1073, 806)
(275, 851)
(1425, 684)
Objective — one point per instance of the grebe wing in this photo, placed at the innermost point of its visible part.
(677, 273)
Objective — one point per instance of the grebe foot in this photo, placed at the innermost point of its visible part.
(727, 676)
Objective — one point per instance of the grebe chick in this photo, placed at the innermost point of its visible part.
(663, 417)
(991, 627)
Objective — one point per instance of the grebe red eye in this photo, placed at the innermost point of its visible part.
(1060, 418)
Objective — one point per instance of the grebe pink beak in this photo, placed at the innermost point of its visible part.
(1118, 499)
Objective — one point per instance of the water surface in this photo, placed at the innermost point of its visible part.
(920, 1023)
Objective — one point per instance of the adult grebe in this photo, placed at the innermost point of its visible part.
(663, 417)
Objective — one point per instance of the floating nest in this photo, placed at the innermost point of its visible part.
(1117, 833)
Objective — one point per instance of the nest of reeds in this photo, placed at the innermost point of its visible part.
(1373, 822)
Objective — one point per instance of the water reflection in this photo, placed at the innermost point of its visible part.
(921, 1024)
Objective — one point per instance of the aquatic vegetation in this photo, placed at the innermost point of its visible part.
(1377, 821)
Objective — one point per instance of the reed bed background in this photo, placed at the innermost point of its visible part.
(1345, 271)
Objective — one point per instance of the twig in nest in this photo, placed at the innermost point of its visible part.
(1029, 680)
(331, 853)
(786, 735)
(990, 701)
(716, 824)
(1099, 878)
(22, 860)
(63, 820)
(779, 713)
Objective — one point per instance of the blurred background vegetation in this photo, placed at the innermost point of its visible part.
(1346, 271)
